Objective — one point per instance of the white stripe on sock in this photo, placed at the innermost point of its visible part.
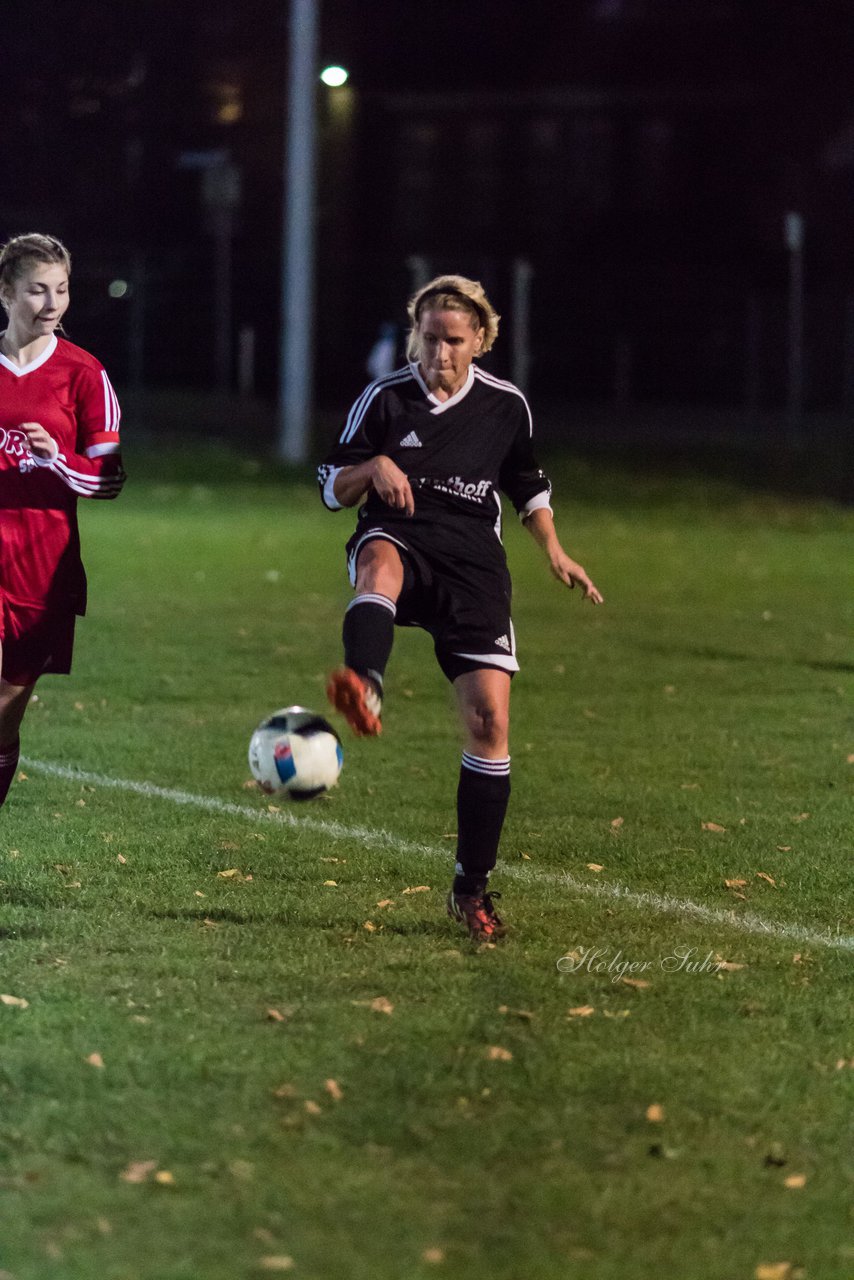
(491, 768)
(370, 597)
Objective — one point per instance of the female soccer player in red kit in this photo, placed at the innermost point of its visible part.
(59, 440)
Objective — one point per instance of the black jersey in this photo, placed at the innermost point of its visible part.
(457, 453)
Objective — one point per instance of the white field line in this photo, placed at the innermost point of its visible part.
(660, 904)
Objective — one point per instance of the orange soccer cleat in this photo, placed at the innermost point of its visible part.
(477, 914)
(357, 699)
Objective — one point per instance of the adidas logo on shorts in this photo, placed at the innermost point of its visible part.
(411, 442)
(503, 643)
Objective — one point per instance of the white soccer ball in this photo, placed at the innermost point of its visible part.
(295, 753)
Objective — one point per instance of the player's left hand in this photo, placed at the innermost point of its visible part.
(566, 570)
(41, 443)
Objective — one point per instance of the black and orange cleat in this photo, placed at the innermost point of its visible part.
(477, 914)
(357, 699)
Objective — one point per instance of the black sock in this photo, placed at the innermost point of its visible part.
(8, 764)
(482, 797)
(369, 635)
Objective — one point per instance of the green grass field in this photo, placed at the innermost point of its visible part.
(301, 1066)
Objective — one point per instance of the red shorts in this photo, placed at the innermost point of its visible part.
(35, 642)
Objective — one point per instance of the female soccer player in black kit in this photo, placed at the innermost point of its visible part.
(428, 447)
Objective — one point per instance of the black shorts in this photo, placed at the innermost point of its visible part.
(456, 586)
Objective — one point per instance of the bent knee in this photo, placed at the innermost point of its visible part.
(488, 724)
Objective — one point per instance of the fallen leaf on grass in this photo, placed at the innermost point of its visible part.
(580, 1011)
(23, 777)
(276, 1262)
(617, 1013)
(120, 857)
(286, 1091)
(728, 966)
(164, 1178)
(312, 1107)
(524, 1014)
(381, 1005)
(250, 785)
(689, 786)
(783, 848)
(496, 1053)
(210, 924)
(763, 875)
(385, 902)
(15, 1002)
(640, 983)
(418, 888)
(795, 1181)
(849, 759)
(735, 884)
(433, 1256)
(275, 1015)
(333, 884)
(369, 926)
(776, 1271)
(595, 866)
(712, 826)
(655, 1113)
(95, 1060)
(842, 1063)
(334, 1090)
(232, 873)
(138, 1171)
(333, 859)
(799, 817)
(616, 823)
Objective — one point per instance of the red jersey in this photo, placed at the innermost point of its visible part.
(68, 392)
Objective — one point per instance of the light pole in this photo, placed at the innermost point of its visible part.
(296, 366)
(794, 233)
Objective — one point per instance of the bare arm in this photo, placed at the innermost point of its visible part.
(380, 474)
(540, 524)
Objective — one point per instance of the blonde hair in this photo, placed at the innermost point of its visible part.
(452, 293)
(21, 252)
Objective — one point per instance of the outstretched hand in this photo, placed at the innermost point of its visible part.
(566, 570)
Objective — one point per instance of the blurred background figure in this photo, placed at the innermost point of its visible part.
(384, 355)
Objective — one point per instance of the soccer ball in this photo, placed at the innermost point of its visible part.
(295, 753)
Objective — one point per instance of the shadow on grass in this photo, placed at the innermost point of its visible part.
(14, 896)
(219, 917)
(18, 935)
(721, 655)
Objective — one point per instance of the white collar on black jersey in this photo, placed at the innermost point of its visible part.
(439, 406)
(20, 369)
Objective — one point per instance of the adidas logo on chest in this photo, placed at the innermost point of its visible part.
(411, 441)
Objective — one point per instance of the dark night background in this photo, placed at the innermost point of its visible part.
(641, 155)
